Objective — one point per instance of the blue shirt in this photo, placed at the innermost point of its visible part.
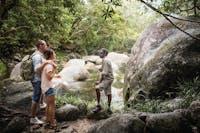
(37, 60)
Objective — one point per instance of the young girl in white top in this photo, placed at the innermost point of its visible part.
(48, 74)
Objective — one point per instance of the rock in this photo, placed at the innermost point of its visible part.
(67, 112)
(82, 108)
(82, 75)
(69, 130)
(114, 57)
(60, 85)
(161, 56)
(93, 59)
(16, 125)
(15, 74)
(173, 122)
(125, 123)
(98, 116)
(72, 67)
(16, 94)
(90, 67)
(194, 113)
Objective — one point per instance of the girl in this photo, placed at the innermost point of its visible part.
(48, 74)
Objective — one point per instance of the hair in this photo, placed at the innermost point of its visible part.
(39, 42)
(48, 53)
(105, 51)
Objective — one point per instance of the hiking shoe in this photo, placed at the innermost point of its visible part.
(43, 105)
(96, 108)
(109, 111)
(36, 121)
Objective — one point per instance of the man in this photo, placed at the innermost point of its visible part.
(105, 81)
(38, 65)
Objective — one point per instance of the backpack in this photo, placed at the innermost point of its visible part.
(26, 69)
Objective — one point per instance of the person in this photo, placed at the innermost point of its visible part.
(105, 81)
(38, 65)
(48, 73)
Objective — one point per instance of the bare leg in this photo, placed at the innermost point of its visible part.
(98, 96)
(47, 111)
(33, 109)
(41, 99)
(51, 109)
(109, 100)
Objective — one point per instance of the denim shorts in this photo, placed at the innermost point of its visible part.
(50, 92)
(36, 91)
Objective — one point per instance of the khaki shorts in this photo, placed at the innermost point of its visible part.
(105, 85)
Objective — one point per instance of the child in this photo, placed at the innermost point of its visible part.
(105, 81)
(48, 74)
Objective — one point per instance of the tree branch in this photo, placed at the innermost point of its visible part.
(181, 18)
(165, 16)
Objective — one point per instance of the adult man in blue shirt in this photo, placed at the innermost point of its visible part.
(38, 65)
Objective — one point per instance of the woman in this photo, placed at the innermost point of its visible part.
(48, 74)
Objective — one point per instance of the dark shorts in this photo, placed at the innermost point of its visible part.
(50, 92)
(36, 91)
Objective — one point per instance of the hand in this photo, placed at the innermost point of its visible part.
(51, 62)
(57, 76)
(48, 62)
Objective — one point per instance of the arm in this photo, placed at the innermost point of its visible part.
(51, 72)
(41, 66)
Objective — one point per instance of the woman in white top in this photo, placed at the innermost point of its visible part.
(48, 74)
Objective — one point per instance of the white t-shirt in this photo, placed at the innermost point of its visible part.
(46, 83)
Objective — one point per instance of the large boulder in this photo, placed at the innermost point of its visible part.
(161, 56)
(67, 112)
(16, 94)
(125, 123)
(74, 71)
(173, 122)
(194, 113)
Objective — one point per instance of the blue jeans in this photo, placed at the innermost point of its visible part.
(36, 91)
(50, 92)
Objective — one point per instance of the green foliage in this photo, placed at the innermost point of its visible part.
(29, 20)
(68, 99)
(118, 83)
(189, 92)
(2, 70)
(182, 7)
(61, 59)
(179, 7)
(118, 33)
(67, 22)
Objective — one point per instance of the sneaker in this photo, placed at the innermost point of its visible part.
(109, 111)
(36, 121)
(43, 105)
(96, 108)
